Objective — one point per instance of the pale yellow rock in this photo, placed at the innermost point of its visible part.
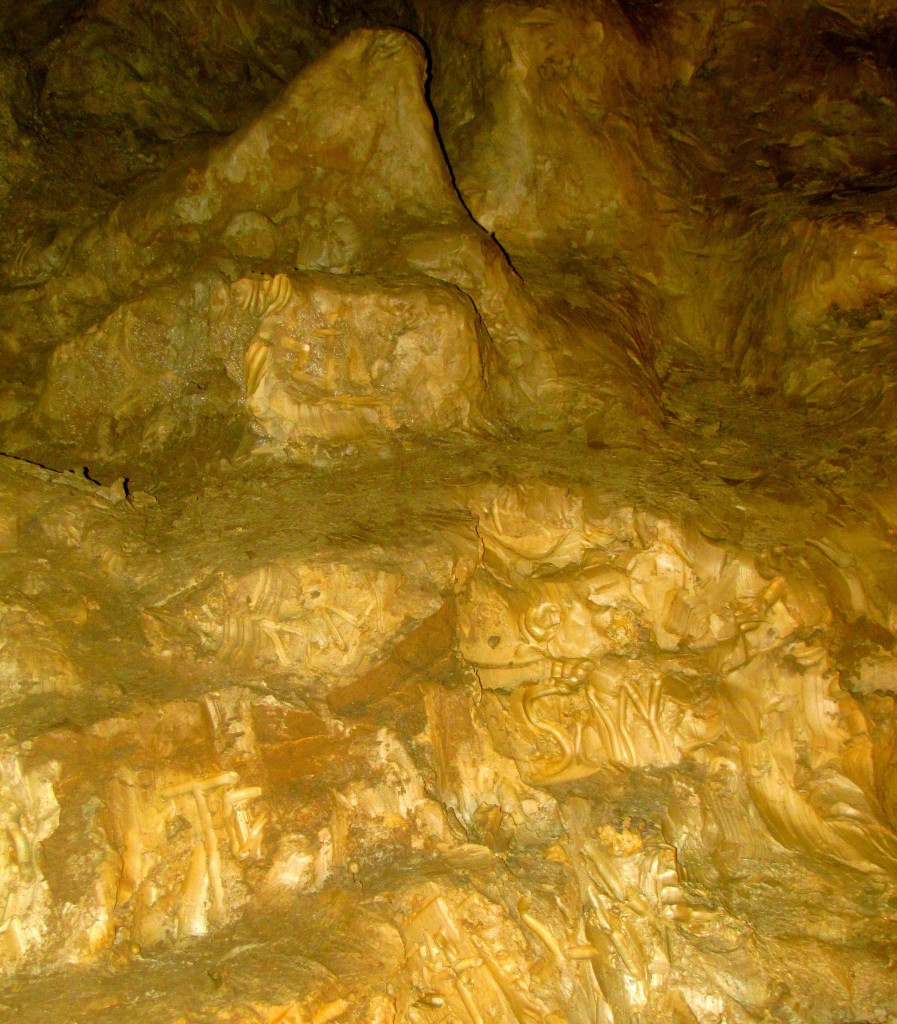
(29, 813)
(551, 158)
(317, 623)
(33, 658)
(300, 164)
(446, 513)
(336, 359)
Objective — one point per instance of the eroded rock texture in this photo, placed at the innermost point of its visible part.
(447, 512)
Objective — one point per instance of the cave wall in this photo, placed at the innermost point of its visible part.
(447, 512)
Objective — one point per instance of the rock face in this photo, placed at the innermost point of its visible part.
(334, 358)
(447, 513)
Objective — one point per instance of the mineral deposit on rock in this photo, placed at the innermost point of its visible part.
(448, 512)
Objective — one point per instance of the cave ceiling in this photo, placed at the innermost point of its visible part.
(447, 512)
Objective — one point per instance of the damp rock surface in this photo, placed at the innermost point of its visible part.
(447, 512)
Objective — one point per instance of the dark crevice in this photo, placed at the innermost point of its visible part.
(428, 80)
(645, 16)
(84, 472)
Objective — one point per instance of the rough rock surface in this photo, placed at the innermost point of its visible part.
(447, 512)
